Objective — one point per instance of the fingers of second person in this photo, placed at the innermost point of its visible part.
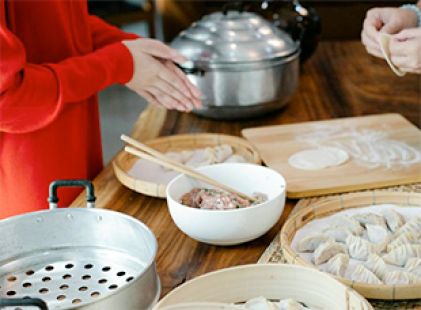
(400, 48)
(372, 25)
(170, 90)
(372, 46)
(406, 34)
(400, 61)
(167, 100)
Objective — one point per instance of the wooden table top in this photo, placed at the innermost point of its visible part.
(340, 80)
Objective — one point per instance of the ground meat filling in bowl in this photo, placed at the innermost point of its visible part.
(218, 199)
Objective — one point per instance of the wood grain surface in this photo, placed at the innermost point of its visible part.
(276, 144)
(341, 80)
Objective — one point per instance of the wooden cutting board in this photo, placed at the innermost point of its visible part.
(277, 143)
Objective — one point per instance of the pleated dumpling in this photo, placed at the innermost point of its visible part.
(370, 219)
(338, 264)
(259, 303)
(363, 275)
(218, 154)
(400, 255)
(289, 304)
(345, 221)
(378, 235)
(412, 226)
(360, 248)
(398, 277)
(413, 265)
(326, 251)
(394, 220)
(376, 265)
(406, 238)
(311, 243)
(339, 233)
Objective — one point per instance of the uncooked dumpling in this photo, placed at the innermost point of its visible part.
(338, 233)
(378, 235)
(259, 303)
(376, 265)
(359, 248)
(370, 218)
(413, 265)
(401, 278)
(394, 219)
(235, 159)
(326, 251)
(363, 275)
(384, 40)
(338, 264)
(345, 221)
(403, 239)
(412, 226)
(289, 304)
(310, 243)
(401, 254)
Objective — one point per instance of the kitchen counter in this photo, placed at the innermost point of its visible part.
(340, 80)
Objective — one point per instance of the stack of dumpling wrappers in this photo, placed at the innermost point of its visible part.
(386, 248)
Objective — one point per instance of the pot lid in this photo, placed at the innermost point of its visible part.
(233, 37)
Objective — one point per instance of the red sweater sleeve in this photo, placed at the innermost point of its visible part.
(32, 96)
(104, 34)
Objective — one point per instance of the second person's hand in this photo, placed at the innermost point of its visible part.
(385, 20)
(157, 79)
(405, 50)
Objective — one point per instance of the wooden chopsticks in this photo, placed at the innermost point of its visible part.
(143, 151)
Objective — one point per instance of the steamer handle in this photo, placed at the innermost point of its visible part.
(238, 5)
(23, 302)
(90, 195)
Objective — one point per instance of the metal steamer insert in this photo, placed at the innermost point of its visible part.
(77, 258)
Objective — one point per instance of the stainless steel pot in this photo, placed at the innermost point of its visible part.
(77, 258)
(243, 64)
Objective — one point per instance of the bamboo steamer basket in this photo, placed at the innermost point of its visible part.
(124, 161)
(340, 203)
(274, 282)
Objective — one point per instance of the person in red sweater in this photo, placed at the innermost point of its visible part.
(54, 58)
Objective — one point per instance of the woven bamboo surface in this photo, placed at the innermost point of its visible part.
(273, 253)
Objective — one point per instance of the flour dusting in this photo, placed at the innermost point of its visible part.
(369, 148)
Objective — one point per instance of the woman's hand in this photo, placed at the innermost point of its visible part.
(385, 20)
(157, 79)
(405, 50)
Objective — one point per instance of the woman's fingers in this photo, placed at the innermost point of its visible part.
(194, 91)
(170, 90)
(159, 49)
(150, 98)
(168, 100)
(170, 77)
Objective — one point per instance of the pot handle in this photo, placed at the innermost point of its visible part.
(237, 5)
(90, 195)
(193, 70)
(18, 303)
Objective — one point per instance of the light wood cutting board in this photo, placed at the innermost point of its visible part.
(277, 143)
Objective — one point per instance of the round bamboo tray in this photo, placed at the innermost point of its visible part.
(274, 282)
(124, 161)
(340, 203)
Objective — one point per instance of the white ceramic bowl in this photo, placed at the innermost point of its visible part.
(229, 227)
